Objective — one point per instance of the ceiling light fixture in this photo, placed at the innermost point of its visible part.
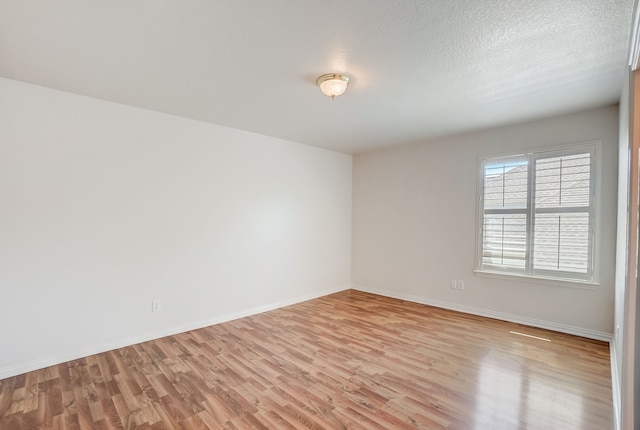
(333, 84)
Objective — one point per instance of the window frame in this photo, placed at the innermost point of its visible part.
(532, 156)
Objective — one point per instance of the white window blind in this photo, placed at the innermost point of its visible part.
(505, 214)
(537, 214)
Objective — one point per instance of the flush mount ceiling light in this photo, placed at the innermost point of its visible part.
(333, 84)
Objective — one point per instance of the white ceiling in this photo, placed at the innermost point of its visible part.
(418, 68)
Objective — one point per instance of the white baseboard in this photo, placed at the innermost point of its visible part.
(40, 363)
(578, 331)
(616, 388)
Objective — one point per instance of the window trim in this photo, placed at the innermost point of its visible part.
(548, 277)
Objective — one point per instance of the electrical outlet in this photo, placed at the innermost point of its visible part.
(461, 285)
(156, 306)
(453, 284)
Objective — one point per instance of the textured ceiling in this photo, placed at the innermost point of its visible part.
(418, 69)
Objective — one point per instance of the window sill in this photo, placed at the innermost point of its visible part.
(560, 282)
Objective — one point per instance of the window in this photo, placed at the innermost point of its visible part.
(537, 214)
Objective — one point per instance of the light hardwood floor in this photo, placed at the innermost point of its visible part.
(350, 360)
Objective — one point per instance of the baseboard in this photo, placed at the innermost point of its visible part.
(17, 369)
(562, 328)
(616, 388)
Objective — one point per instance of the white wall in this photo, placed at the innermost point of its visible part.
(622, 246)
(106, 207)
(414, 225)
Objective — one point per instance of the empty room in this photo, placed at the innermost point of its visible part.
(319, 214)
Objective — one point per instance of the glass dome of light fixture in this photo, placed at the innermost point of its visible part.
(333, 84)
